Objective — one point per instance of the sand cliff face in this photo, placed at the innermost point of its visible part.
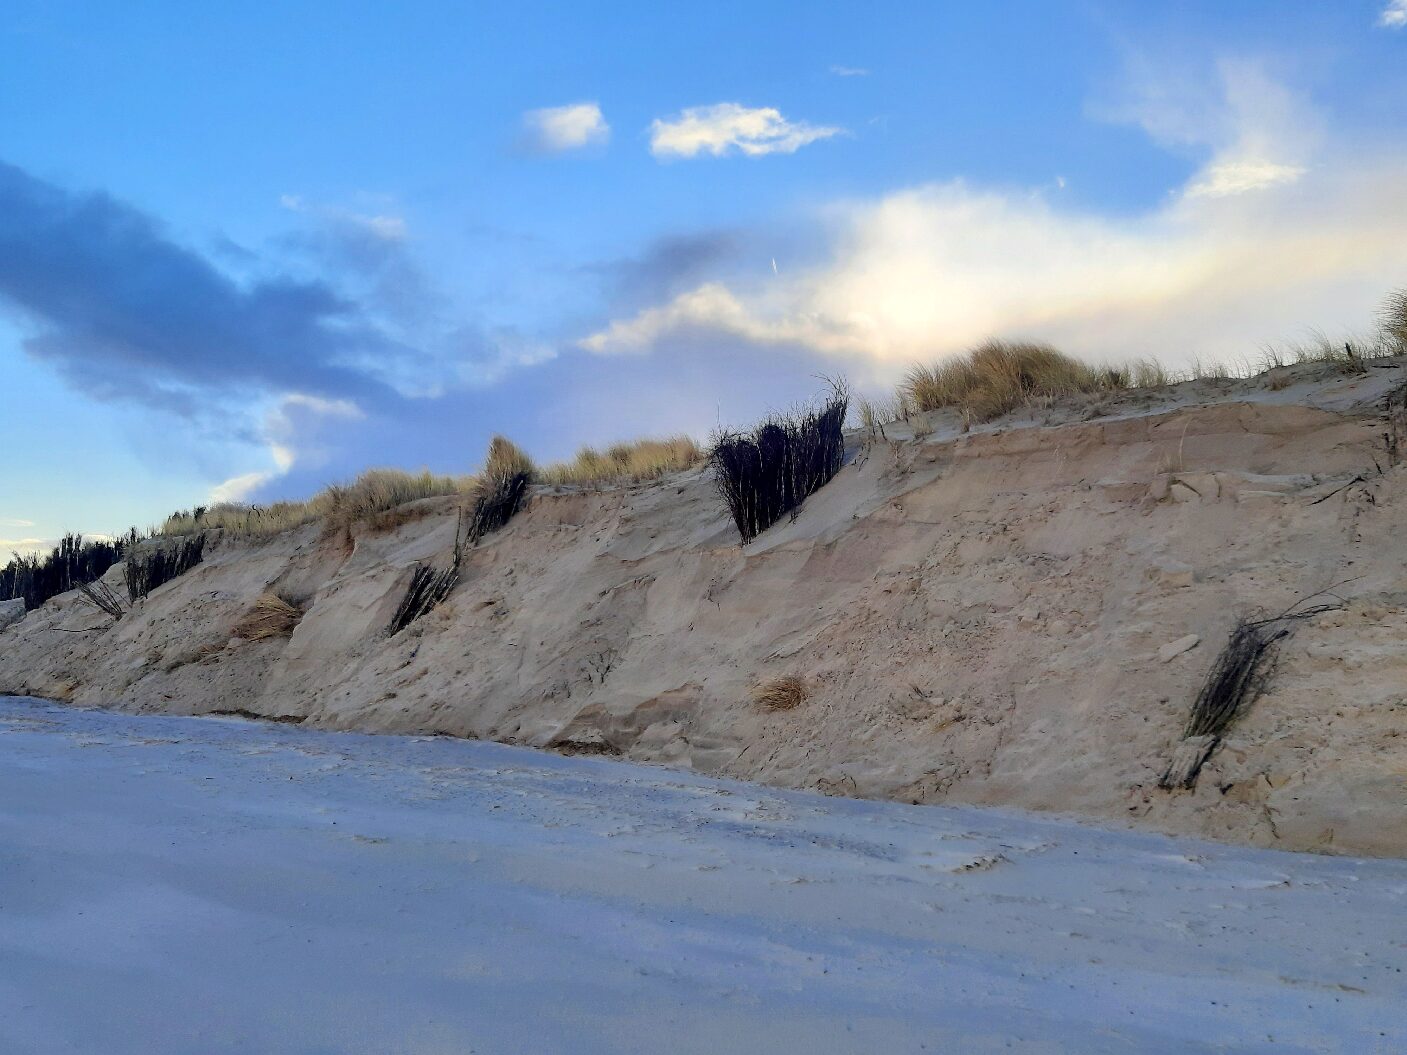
(1005, 616)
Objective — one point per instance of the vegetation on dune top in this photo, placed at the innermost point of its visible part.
(74, 562)
(999, 376)
(633, 462)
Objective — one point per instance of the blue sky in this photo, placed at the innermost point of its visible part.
(248, 249)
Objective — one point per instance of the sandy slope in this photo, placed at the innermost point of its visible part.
(175, 885)
(981, 617)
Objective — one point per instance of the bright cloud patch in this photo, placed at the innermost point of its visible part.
(929, 271)
(1248, 250)
(556, 129)
(728, 127)
(1394, 16)
(1237, 177)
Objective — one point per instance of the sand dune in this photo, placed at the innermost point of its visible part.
(1017, 615)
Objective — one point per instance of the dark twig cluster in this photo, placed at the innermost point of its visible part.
(152, 566)
(100, 596)
(768, 472)
(1237, 677)
(68, 565)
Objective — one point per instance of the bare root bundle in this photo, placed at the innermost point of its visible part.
(73, 562)
(767, 473)
(428, 587)
(781, 694)
(1236, 678)
(149, 568)
(270, 616)
(500, 496)
(100, 596)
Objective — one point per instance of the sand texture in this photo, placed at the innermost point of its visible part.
(1020, 615)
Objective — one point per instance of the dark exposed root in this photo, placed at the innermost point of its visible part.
(500, 496)
(147, 569)
(428, 587)
(767, 473)
(100, 596)
(67, 566)
(1237, 677)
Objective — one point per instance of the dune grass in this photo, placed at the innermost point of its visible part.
(378, 490)
(339, 506)
(633, 462)
(996, 377)
(1392, 319)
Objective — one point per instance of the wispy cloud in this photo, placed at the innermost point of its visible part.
(1223, 179)
(386, 226)
(1394, 15)
(14, 522)
(557, 129)
(849, 71)
(725, 128)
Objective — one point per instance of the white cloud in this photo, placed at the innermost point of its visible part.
(24, 546)
(385, 226)
(1221, 179)
(712, 307)
(15, 522)
(724, 127)
(560, 128)
(1249, 250)
(281, 424)
(238, 488)
(850, 71)
(1394, 16)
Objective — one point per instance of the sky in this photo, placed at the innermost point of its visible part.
(247, 250)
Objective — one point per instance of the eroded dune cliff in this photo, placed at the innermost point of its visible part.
(1020, 615)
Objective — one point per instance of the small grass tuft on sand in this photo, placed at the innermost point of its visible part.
(781, 694)
(632, 462)
(270, 616)
(996, 377)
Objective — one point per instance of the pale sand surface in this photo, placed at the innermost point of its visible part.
(196, 886)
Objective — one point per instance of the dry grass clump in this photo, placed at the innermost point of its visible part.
(998, 376)
(237, 519)
(781, 694)
(1393, 318)
(635, 461)
(506, 458)
(378, 490)
(499, 492)
(497, 495)
(339, 505)
(271, 616)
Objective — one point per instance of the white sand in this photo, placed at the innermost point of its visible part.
(177, 885)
